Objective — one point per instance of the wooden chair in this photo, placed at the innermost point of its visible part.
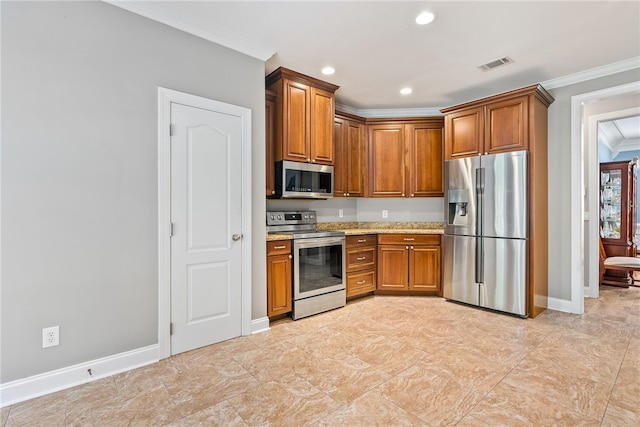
(617, 263)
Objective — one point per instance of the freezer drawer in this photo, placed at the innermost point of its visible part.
(505, 275)
(459, 271)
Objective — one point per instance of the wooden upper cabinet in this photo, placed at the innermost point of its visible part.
(405, 158)
(350, 158)
(305, 108)
(493, 125)
(506, 126)
(387, 160)
(463, 133)
(322, 112)
(426, 160)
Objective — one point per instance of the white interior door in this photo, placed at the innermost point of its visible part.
(206, 217)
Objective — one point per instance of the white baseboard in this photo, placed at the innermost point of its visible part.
(260, 325)
(60, 379)
(562, 305)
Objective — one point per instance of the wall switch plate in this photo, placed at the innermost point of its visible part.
(50, 336)
(385, 214)
(340, 213)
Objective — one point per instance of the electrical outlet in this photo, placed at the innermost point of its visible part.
(50, 336)
(385, 214)
(340, 213)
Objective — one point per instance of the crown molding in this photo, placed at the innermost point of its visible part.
(156, 11)
(593, 73)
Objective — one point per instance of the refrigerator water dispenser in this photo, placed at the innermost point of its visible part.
(458, 201)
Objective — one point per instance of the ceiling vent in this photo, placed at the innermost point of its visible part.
(497, 63)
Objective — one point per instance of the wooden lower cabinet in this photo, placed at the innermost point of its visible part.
(361, 264)
(279, 278)
(409, 262)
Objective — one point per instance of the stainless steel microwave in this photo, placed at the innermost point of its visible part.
(295, 180)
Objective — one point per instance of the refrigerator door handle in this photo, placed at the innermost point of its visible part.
(479, 228)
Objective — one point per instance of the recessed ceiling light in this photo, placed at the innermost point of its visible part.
(424, 18)
(406, 90)
(328, 71)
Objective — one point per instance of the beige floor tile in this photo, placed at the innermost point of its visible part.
(619, 417)
(509, 406)
(582, 395)
(434, 396)
(291, 401)
(371, 409)
(222, 414)
(626, 391)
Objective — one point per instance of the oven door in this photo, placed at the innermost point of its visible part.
(318, 267)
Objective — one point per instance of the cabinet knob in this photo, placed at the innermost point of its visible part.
(406, 247)
(411, 247)
(347, 194)
(402, 194)
(273, 191)
(290, 256)
(308, 159)
(411, 194)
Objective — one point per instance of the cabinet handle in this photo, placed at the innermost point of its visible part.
(360, 282)
(409, 239)
(362, 240)
(361, 258)
(279, 247)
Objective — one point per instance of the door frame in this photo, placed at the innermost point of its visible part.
(592, 288)
(165, 98)
(577, 211)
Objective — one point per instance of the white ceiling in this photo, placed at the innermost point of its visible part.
(377, 48)
(620, 134)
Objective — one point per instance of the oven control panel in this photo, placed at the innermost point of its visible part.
(291, 218)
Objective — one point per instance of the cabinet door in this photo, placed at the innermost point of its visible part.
(424, 268)
(506, 126)
(386, 161)
(463, 133)
(355, 156)
(426, 162)
(393, 267)
(322, 118)
(295, 122)
(340, 163)
(279, 284)
(270, 113)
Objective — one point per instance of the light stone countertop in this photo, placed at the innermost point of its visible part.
(360, 228)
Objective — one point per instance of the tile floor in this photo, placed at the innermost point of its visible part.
(385, 361)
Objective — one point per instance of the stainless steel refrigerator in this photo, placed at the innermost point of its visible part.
(486, 231)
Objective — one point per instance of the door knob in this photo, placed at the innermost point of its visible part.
(236, 237)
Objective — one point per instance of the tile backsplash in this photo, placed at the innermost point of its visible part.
(422, 209)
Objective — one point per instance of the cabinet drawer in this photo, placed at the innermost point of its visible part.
(409, 239)
(363, 240)
(278, 247)
(361, 258)
(360, 283)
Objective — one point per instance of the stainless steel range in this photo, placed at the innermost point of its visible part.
(318, 262)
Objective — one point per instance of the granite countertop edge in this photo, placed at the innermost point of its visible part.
(360, 228)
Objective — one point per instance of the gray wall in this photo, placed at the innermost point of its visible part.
(560, 176)
(79, 174)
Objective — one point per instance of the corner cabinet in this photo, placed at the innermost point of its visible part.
(279, 278)
(350, 164)
(512, 121)
(405, 157)
(409, 262)
(304, 115)
(618, 207)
